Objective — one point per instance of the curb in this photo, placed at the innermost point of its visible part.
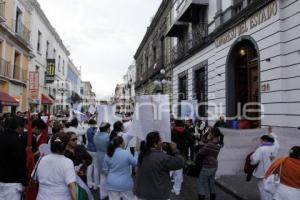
(229, 190)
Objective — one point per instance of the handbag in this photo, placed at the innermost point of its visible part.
(272, 182)
(193, 168)
(33, 186)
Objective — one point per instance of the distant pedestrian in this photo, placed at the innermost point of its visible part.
(263, 156)
(289, 187)
(209, 156)
(55, 174)
(221, 123)
(117, 166)
(92, 171)
(154, 166)
(101, 141)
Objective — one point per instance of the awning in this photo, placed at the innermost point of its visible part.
(46, 100)
(6, 100)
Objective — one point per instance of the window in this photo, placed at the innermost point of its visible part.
(182, 89)
(39, 41)
(200, 88)
(59, 69)
(47, 48)
(54, 53)
(154, 53)
(18, 20)
(63, 68)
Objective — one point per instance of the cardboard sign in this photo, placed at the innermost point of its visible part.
(152, 113)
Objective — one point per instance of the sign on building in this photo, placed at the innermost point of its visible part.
(34, 85)
(50, 72)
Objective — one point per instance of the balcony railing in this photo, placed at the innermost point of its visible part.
(2, 11)
(193, 40)
(19, 74)
(5, 68)
(21, 30)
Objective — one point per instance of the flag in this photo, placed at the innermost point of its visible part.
(31, 189)
(82, 191)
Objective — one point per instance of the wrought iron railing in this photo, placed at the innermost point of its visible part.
(192, 41)
(5, 68)
(21, 30)
(19, 74)
(2, 9)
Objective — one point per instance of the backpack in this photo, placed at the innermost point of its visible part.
(248, 167)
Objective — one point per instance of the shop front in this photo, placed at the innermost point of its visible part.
(7, 103)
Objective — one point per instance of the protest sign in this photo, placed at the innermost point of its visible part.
(152, 113)
(106, 113)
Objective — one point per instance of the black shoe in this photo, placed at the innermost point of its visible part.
(201, 197)
(213, 196)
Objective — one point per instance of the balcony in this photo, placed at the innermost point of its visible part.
(19, 74)
(5, 68)
(21, 31)
(156, 66)
(2, 11)
(187, 7)
(193, 41)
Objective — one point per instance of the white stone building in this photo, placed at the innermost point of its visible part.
(47, 44)
(232, 52)
(129, 80)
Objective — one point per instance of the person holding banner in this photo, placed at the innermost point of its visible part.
(154, 166)
(263, 156)
(117, 166)
(288, 169)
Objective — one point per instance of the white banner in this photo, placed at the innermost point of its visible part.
(152, 113)
(239, 143)
(106, 113)
(92, 110)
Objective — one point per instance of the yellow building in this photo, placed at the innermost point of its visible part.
(15, 17)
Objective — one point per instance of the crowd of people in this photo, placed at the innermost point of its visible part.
(110, 160)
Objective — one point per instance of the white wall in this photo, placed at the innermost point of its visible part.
(278, 39)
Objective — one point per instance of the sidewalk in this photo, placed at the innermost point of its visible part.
(238, 187)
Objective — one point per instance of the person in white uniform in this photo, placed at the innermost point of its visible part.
(264, 156)
(55, 174)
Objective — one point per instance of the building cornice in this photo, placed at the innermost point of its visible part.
(163, 6)
(41, 13)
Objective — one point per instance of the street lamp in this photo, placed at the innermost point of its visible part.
(62, 90)
(162, 80)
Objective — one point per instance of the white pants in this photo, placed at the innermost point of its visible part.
(102, 190)
(128, 195)
(10, 191)
(178, 179)
(263, 194)
(286, 193)
(92, 172)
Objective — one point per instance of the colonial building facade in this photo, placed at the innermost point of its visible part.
(153, 55)
(47, 45)
(233, 56)
(15, 22)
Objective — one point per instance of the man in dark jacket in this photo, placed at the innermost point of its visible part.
(13, 170)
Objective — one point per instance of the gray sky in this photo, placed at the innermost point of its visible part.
(102, 35)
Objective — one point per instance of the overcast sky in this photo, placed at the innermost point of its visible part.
(102, 35)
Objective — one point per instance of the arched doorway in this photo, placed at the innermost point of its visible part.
(242, 81)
